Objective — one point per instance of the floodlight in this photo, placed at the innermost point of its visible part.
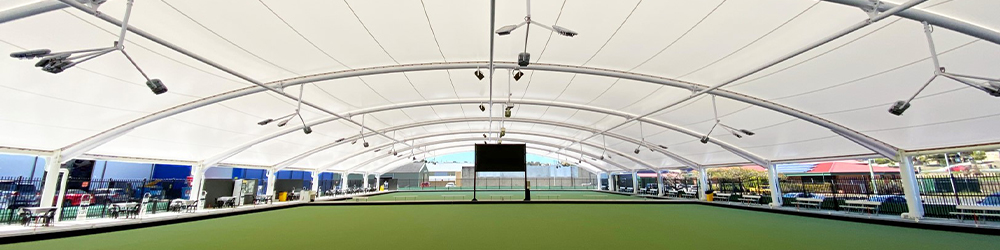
(339, 140)
(283, 122)
(663, 147)
(30, 54)
(503, 131)
(505, 30)
(482, 108)
(602, 157)
(523, 58)
(378, 149)
(564, 31)
(479, 74)
(899, 107)
(156, 86)
(265, 122)
(307, 130)
(366, 144)
(518, 74)
(353, 142)
(747, 132)
(704, 139)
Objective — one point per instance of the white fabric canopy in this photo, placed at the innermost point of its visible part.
(850, 82)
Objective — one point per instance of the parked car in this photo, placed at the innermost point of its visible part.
(990, 200)
(110, 195)
(449, 185)
(74, 197)
(15, 195)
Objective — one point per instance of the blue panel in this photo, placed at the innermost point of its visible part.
(124, 170)
(167, 171)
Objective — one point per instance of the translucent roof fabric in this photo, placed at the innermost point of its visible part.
(406, 69)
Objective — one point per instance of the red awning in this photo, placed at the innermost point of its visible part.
(849, 167)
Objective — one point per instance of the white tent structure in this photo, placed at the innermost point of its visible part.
(812, 80)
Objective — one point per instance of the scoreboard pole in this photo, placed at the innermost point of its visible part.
(527, 185)
(475, 176)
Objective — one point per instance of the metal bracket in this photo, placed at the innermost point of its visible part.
(872, 9)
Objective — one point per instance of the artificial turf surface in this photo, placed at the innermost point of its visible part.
(495, 195)
(519, 226)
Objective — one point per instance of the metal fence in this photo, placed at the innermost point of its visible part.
(836, 190)
(96, 196)
(940, 193)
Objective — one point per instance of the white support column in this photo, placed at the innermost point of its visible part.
(911, 189)
(659, 183)
(775, 184)
(635, 182)
(197, 185)
(271, 179)
(315, 182)
(52, 166)
(702, 183)
(364, 182)
(611, 181)
(378, 182)
(343, 181)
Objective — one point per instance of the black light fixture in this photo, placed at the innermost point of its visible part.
(990, 86)
(517, 74)
(479, 74)
(57, 62)
(481, 107)
(738, 133)
(524, 58)
(340, 140)
(503, 131)
(506, 110)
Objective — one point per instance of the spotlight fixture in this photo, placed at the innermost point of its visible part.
(365, 144)
(353, 142)
(378, 149)
(479, 74)
(518, 74)
(340, 140)
(636, 150)
(663, 147)
(265, 122)
(990, 86)
(57, 62)
(481, 107)
(307, 130)
(738, 133)
(503, 131)
(506, 110)
(524, 57)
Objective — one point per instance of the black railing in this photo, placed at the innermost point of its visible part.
(97, 196)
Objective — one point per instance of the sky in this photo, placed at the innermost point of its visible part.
(471, 156)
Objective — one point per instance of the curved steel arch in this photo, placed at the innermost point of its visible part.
(393, 164)
(564, 138)
(369, 161)
(732, 148)
(294, 159)
(96, 140)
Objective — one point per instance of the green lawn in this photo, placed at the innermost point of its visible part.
(495, 195)
(520, 226)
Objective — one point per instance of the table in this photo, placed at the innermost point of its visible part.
(187, 205)
(34, 214)
(405, 197)
(263, 199)
(225, 201)
(358, 199)
(131, 209)
(722, 197)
